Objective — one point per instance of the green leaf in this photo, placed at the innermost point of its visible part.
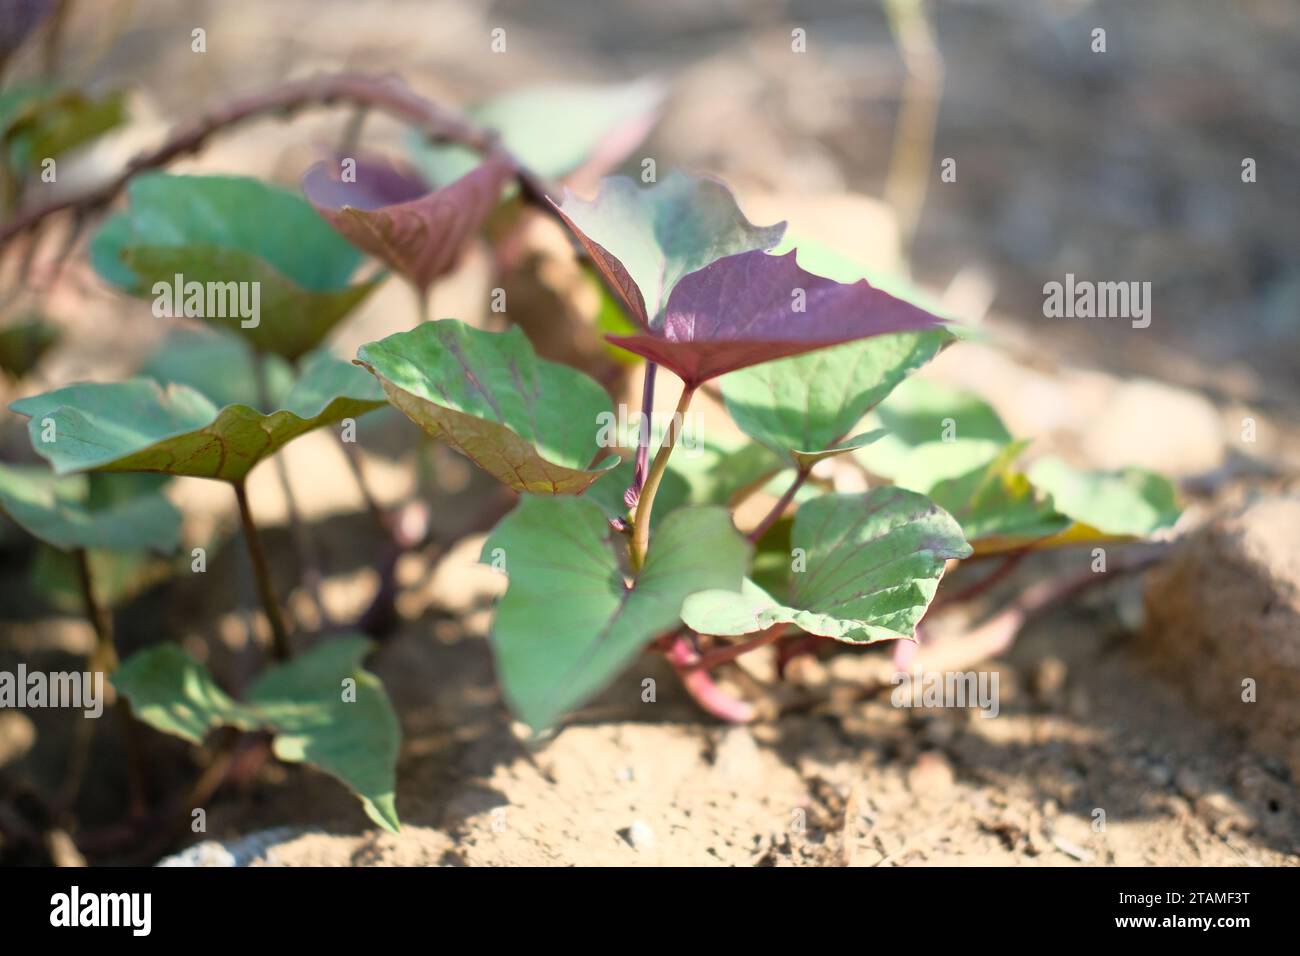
(215, 230)
(301, 702)
(871, 564)
(936, 432)
(220, 366)
(172, 692)
(646, 239)
(139, 426)
(23, 343)
(570, 620)
(37, 123)
(1131, 502)
(553, 130)
(805, 406)
(110, 512)
(531, 424)
(998, 501)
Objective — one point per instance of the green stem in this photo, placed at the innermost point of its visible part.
(641, 524)
(262, 575)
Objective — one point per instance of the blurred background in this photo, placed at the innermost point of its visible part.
(1122, 165)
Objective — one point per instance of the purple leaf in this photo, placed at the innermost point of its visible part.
(393, 215)
(753, 307)
(644, 240)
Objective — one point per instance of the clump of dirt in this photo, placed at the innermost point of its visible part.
(1225, 620)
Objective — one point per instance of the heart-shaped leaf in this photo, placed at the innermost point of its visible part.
(936, 432)
(531, 424)
(138, 425)
(805, 406)
(645, 240)
(220, 366)
(863, 568)
(110, 512)
(554, 130)
(289, 268)
(751, 308)
(322, 706)
(397, 219)
(570, 619)
(23, 343)
(1131, 502)
(997, 503)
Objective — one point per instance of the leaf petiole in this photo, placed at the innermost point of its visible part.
(262, 574)
(641, 525)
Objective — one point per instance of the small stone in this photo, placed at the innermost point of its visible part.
(207, 853)
(640, 836)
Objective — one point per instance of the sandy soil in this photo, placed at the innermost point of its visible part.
(1086, 725)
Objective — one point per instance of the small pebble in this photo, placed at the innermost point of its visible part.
(640, 835)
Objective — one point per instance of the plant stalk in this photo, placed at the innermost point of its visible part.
(779, 508)
(633, 495)
(641, 525)
(262, 575)
(104, 657)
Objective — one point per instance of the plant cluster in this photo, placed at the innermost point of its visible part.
(610, 549)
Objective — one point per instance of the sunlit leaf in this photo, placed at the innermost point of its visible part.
(806, 407)
(323, 708)
(646, 239)
(571, 619)
(1131, 501)
(138, 425)
(936, 432)
(531, 424)
(997, 501)
(864, 568)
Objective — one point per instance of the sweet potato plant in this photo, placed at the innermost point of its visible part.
(617, 543)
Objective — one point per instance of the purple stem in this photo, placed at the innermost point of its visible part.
(633, 494)
(779, 508)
